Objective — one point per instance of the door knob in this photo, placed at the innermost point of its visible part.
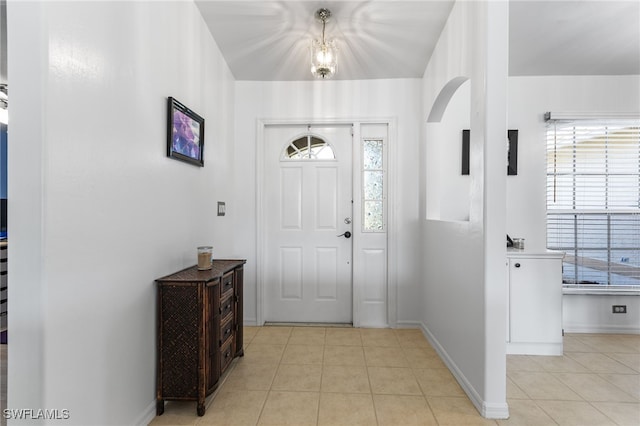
(345, 234)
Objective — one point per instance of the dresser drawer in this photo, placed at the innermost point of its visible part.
(226, 330)
(226, 308)
(226, 355)
(226, 286)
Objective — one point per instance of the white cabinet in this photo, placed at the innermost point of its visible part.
(535, 303)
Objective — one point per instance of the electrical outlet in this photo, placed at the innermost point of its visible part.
(619, 309)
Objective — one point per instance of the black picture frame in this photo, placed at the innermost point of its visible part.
(512, 153)
(465, 151)
(185, 133)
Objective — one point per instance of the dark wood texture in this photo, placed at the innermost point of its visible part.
(199, 330)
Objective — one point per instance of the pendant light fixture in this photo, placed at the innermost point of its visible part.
(324, 58)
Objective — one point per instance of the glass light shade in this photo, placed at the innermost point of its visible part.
(324, 59)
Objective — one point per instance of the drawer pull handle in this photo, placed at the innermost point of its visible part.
(517, 265)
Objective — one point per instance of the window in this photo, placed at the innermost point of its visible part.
(309, 147)
(593, 200)
(373, 187)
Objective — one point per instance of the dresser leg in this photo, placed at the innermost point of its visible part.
(201, 409)
(159, 407)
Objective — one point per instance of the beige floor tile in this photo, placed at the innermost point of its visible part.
(572, 343)
(412, 338)
(543, 386)
(630, 383)
(345, 379)
(385, 356)
(290, 408)
(343, 355)
(346, 409)
(438, 382)
(256, 353)
(456, 411)
(379, 337)
(168, 419)
(303, 354)
(307, 336)
(631, 340)
(607, 343)
(343, 337)
(526, 413)
(235, 408)
(249, 332)
(514, 392)
(332, 360)
(600, 363)
(592, 387)
(177, 413)
(248, 376)
(623, 414)
(522, 363)
(560, 364)
(630, 360)
(574, 413)
(297, 377)
(272, 335)
(393, 381)
(405, 410)
(422, 358)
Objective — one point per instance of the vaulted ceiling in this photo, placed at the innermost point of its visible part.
(269, 40)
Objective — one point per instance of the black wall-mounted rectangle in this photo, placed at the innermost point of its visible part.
(512, 165)
(512, 155)
(465, 152)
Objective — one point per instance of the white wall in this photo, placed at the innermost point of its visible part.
(334, 100)
(529, 99)
(464, 273)
(447, 190)
(97, 209)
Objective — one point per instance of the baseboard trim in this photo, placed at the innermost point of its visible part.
(486, 410)
(147, 415)
(596, 329)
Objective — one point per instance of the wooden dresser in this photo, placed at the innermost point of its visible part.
(199, 330)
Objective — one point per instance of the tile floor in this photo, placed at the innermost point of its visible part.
(348, 376)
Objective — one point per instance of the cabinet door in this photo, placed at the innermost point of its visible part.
(535, 308)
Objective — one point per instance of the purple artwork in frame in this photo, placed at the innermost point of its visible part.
(185, 134)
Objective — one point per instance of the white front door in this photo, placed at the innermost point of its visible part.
(308, 209)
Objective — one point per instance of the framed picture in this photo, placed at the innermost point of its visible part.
(512, 153)
(185, 134)
(512, 165)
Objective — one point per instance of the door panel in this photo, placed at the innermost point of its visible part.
(307, 266)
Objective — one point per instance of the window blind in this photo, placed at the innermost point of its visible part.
(593, 200)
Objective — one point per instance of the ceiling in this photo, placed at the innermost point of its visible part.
(269, 40)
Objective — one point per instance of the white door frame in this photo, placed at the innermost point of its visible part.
(391, 222)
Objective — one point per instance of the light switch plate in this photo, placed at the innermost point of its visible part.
(221, 208)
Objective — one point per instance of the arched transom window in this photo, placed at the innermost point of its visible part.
(309, 147)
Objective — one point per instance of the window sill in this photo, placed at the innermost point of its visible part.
(615, 291)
